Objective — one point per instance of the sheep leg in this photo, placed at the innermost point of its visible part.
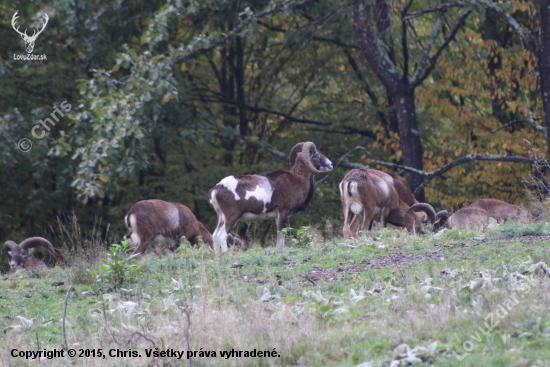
(384, 212)
(354, 225)
(348, 221)
(368, 213)
(143, 246)
(219, 237)
(281, 220)
(345, 209)
(370, 224)
(225, 225)
(142, 240)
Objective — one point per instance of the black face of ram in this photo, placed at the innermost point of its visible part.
(17, 261)
(321, 162)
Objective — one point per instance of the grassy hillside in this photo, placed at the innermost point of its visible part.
(450, 299)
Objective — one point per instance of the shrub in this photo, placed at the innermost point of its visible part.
(119, 271)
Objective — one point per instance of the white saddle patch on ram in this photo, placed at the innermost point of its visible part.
(230, 183)
(262, 192)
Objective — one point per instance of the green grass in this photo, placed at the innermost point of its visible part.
(385, 298)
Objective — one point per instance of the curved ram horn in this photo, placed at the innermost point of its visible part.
(294, 153)
(9, 246)
(37, 241)
(307, 149)
(441, 217)
(442, 214)
(426, 208)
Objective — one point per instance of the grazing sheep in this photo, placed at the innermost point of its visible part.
(465, 218)
(370, 192)
(476, 216)
(151, 220)
(276, 194)
(21, 256)
(403, 191)
(498, 209)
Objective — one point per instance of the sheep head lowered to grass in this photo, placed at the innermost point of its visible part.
(151, 220)
(399, 183)
(476, 216)
(370, 192)
(21, 255)
(276, 194)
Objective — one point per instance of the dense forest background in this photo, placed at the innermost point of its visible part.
(168, 97)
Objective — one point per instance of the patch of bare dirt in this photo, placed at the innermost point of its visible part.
(532, 239)
(456, 245)
(341, 271)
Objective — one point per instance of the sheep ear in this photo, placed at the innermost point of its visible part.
(31, 250)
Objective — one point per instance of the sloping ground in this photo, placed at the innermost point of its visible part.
(389, 299)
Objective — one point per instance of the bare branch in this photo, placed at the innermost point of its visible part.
(372, 47)
(366, 86)
(426, 54)
(404, 44)
(66, 345)
(364, 82)
(438, 9)
(220, 99)
(542, 185)
(339, 162)
(348, 130)
(243, 23)
(310, 280)
(530, 121)
(433, 60)
(335, 41)
(511, 22)
(428, 176)
(469, 158)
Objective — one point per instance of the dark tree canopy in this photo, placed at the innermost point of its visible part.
(167, 98)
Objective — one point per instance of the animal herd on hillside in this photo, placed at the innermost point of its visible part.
(279, 194)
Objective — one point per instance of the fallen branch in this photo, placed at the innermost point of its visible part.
(66, 345)
(310, 280)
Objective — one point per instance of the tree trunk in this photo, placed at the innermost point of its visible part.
(544, 63)
(398, 88)
(239, 80)
(409, 136)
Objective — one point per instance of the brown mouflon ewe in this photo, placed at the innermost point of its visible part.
(403, 191)
(149, 220)
(498, 209)
(476, 216)
(370, 192)
(276, 194)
